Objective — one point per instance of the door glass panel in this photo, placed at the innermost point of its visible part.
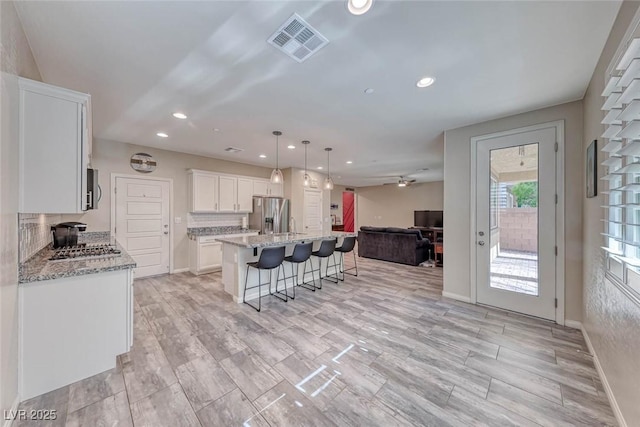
(514, 219)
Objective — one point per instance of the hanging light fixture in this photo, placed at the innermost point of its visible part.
(276, 174)
(328, 182)
(306, 178)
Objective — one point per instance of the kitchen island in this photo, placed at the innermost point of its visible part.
(238, 251)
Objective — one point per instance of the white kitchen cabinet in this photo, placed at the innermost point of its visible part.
(245, 195)
(54, 148)
(203, 192)
(205, 253)
(228, 194)
(264, 187)
(72, 328)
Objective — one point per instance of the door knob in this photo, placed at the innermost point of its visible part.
(481, 233)
(481, 243)
(166, 232)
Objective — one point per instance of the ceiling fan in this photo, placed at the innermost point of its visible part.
(402, 182)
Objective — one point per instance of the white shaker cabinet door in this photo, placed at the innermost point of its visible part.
(245, 195)
(228, 194)
(204, 192)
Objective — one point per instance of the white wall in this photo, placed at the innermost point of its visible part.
(457, 182)
(393, 206)
(113, 157)
(610, 318)
(17, 60)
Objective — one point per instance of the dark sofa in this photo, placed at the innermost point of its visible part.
(401, 245)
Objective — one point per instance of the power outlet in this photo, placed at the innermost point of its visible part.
(177, 220)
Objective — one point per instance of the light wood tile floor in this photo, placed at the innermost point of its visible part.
(381, 349)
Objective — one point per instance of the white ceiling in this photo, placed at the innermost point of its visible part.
(141, 61)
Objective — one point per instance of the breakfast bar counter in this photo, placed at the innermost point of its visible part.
(238, 251)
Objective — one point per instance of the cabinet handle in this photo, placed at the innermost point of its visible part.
(216, 206)
(89, 199)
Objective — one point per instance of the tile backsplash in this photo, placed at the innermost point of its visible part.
(214, 220)
(34, 233)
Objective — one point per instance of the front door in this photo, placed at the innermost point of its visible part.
(516, 222)
(142, 223)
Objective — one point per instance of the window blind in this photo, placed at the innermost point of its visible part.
(622, 159)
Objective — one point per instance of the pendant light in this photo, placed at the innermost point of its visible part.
(328, 182)
(306, 178)
(276, 174)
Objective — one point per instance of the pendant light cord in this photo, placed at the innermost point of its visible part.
(277, 153)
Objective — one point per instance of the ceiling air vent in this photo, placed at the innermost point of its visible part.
(297, 39)
(233, 150)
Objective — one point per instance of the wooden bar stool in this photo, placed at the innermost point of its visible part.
(270, 258)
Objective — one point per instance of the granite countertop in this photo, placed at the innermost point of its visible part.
(217, 231)
(39, 268)
(265, 240)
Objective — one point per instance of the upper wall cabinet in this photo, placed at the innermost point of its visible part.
(210, 192)
(203, 192)
(55, 148)
(264, 187)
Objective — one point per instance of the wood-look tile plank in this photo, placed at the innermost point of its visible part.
(592, 410)
(547, 370)
(250, 373)
(146, 372)
(181, 349)
(303, 342)
(284, 405)
(465, 341)
(516, 376)
(55, 400)
(522, 346)
(113, 410)
(414, 407)
(203, 381)
(350, 409)
(221, 343)
(168, 407)
(233, 409)
(95, 388)
(532, 407)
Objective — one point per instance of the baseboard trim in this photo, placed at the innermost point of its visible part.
(573, 324)
(180, 270)
(14, 409)
(605, 383)
(456, 297)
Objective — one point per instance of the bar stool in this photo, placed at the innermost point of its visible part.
(270, 258)
(327, 249)
(301, 254)
(347, 246)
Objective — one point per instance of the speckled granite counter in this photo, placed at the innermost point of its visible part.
(39, 268)
(265, 240)
(216, 231)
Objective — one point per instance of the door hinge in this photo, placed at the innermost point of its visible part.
(556, 249)
(556, 199)
(555, 147)
(556, 302)
(115, 190)
(115, 230)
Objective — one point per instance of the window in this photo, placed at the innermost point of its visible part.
(622, 162)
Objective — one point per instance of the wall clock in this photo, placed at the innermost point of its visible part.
(143, 162)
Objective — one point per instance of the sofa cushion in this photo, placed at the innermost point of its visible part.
(377, 229)
(395, 230)
(418, 233)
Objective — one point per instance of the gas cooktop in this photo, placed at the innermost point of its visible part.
(84, 251)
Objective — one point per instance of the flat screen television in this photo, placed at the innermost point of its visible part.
(427, 218)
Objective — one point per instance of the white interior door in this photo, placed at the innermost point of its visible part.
(312, 211)
(516, 222)
(142, 223)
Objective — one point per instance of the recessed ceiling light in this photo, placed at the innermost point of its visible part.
(180, 115)
(319, 168)
(349, 162)
(216, 130)
(263, 156)
(369, 91)
(359, 7)
(425, 81)
(162, 135)
(291, 147)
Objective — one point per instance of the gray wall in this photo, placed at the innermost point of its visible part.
(610, 318)
(17, 60)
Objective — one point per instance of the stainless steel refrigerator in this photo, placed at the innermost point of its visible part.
(270, 215)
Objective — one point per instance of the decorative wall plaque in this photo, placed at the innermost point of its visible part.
(143, 162)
